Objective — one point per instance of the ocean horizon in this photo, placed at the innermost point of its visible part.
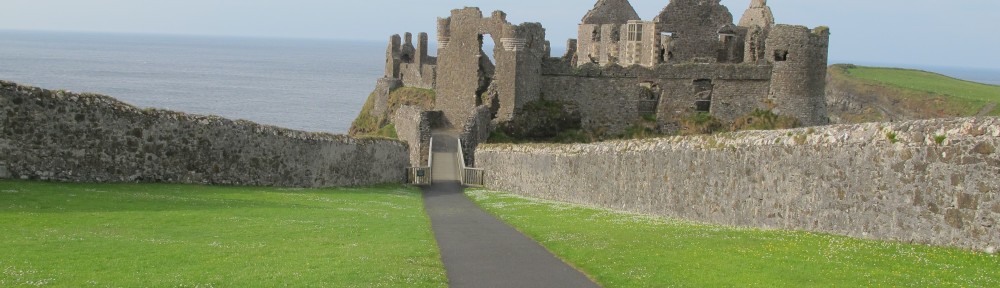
(304, 84)
(311, 85)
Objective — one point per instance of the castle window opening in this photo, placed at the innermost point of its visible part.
(616, 35)
(702, 85)
(703, 106)
(596, 35)
(487, 46)
(780, 55)
(726, 39)
(703, 95)
(634, 32)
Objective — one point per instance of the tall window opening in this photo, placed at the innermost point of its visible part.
(634, 31)
(703, 95)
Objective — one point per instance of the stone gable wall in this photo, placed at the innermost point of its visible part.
(848, 179)
(695, 25)
(62, 136)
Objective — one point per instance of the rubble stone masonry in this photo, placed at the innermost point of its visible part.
(931, 181)
(63, 136)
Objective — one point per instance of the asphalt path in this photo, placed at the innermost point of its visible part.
(477, 249)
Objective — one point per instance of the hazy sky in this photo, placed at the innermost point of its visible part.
(915, 32)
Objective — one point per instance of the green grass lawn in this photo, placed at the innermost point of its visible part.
(154, 235)
(628, 250)
(969, 97)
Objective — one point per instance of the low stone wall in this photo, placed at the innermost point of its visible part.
(933, 182)
(61, 136)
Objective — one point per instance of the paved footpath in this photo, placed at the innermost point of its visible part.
(477, 249)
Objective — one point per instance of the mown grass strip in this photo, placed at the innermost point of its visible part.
(158, 235)
(628, 250)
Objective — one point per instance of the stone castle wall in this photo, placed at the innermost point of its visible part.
(413, 126)
(476, 130)
(384, 87)
(605, 104)
(62, 136)
(849, 179)
(418, 76)
(609, 98)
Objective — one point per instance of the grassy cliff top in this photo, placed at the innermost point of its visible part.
(958, 97)
(369, 124)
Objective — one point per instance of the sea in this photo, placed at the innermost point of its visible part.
(311, 85)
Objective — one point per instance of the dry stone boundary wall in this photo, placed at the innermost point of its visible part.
(889, 181)
(62, 136)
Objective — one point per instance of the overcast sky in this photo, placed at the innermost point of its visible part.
(955, 33)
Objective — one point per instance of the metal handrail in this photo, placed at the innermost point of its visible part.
(477, 177)
(430, 154)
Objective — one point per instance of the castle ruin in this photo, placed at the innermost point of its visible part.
(691, 58)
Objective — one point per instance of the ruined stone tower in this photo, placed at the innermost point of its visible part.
(465, 76)
(798, 83)
(410, 64)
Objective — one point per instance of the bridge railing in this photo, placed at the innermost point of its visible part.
(418, 175)
(470, 176)
(422, 175)
(474, 177)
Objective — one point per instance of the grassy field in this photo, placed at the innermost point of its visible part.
(919, 93)
(627, 250)
(152, 235)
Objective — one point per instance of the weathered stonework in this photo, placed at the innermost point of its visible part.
(849, 179)
(798, 86)
(477, 130)
(759, 14)
(695, 33)
(621, 71)
(413, 126)
(410, 64)
(63, 136)
(690, 59)
(464, 75)
(694, 27)
(384, 87)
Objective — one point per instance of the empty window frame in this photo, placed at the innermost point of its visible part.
(634, 31)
